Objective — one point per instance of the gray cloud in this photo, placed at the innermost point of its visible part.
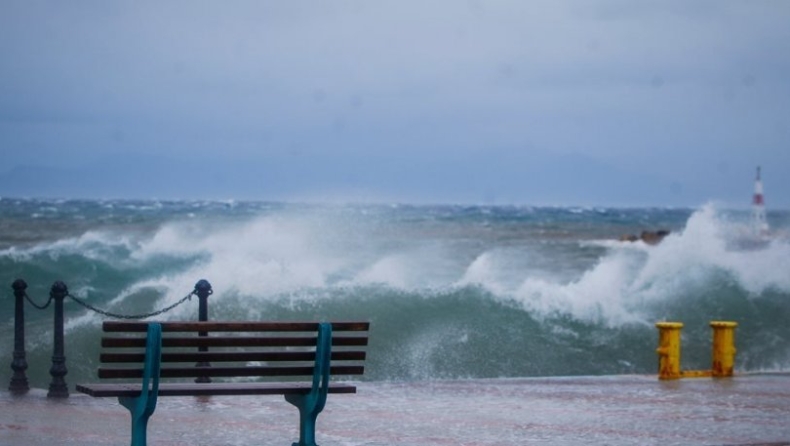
(352, 91)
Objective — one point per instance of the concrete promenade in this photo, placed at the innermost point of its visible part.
(611, 410)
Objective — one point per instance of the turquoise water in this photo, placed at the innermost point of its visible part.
(451, 291)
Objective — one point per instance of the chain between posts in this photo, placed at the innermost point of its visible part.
(132, 316)
(40, 307)
(110, 314)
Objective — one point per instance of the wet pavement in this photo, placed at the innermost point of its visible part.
(611, 410)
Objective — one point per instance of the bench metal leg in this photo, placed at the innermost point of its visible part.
(307, 418)
(139, 419)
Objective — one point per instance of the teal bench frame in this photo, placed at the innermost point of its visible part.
(310, 401)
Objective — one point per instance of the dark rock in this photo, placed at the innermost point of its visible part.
(649, 237)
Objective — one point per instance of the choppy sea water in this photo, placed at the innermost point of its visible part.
(452, 292)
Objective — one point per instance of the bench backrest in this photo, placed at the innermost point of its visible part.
(285, 350)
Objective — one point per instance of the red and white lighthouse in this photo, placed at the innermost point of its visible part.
(759, 222)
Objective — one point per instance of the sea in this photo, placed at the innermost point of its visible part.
(453, 292)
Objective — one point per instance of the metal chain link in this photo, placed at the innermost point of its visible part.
(126, 316)
(40, 307)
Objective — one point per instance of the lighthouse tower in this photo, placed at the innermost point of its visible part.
(759, 224)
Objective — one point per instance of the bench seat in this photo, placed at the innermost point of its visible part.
(209, 389)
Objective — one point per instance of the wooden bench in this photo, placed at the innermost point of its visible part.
(301, 356)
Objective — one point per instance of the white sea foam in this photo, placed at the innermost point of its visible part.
(257, 259)
(629, 277)
(94, 245)
(391, 270)
(293, 254)
(601, 295)
(270, 256)
(704, 248)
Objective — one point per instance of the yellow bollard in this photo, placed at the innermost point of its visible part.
(723, 348)
(669, 350)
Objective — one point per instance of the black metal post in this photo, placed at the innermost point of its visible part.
(19, 383)
(203, 290)
(58, 387)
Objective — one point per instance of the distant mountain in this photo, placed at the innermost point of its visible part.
(497, 177)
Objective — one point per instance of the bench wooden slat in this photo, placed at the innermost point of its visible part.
(213, 341)
(215, 371)
(231, 356)
(209, 389)
(126, 326)
(232, 341)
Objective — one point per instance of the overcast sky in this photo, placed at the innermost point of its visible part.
(621, 102)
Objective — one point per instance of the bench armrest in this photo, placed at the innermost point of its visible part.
(153, 364)
(323, 355)
(142, 407)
